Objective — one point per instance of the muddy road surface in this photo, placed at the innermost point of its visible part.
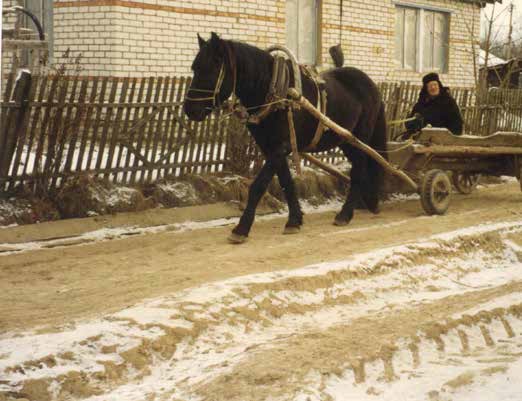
(394, 306)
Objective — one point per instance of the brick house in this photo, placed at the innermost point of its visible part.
(391, 40)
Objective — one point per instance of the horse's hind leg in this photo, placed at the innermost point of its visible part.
(357, 176)
(375, 172)
(255, 193)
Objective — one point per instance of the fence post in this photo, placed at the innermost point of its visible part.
(15, 122)
(494, 105)
(395, 101)
(464, 111)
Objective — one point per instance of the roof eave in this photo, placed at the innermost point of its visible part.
(482, 3)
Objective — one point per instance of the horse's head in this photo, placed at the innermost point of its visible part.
(213, 80)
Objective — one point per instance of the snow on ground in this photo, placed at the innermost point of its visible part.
(122, 156)
(222, 325)
(10, 210)
(470, 382)
(122, 232)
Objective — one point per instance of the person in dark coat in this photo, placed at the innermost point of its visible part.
(435, 107)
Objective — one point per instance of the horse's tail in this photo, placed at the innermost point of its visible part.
(375, 170)
(336, 52)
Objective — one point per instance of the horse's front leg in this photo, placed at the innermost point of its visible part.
(255, 193)
(295, 215)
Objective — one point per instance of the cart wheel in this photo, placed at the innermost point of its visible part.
(435, 192)
(465, 183)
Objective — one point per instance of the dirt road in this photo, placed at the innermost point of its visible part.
(398, 303)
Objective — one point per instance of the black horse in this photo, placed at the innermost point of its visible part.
(354, 102)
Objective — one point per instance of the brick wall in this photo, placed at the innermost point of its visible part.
(368, 38)
(158, 37)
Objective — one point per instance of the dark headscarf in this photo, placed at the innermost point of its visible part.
(432, 76)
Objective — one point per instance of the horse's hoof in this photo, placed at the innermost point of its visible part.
(377, 210)
(343, 219)
(291, 230)
(237, 239)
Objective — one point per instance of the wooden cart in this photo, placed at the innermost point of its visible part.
(437, 159)
(426, 163)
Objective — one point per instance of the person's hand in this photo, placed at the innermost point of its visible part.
(419, 120)
(416, 124)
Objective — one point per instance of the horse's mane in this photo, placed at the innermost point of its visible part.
(254, 67)
(253, 59)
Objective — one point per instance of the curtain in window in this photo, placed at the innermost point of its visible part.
(440, 41)
(410, 39)
(399, 38)
(427, 62)
(301, 29)
(435, 48)
(406, 28)
(292, 9)
(421, 35)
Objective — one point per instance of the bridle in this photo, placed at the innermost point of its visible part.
(216, 103)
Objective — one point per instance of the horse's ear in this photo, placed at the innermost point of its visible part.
(201, 41)
(214, 38)
(215, 41)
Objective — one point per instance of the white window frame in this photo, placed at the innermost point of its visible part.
(421, 32)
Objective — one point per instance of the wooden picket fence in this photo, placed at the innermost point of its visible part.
(133, 131)
(129, 131)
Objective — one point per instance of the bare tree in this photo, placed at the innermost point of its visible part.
(493, 44)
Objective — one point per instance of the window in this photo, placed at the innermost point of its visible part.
(301, 29)
(43, 10)
(421, 39)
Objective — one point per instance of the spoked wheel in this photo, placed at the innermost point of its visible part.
(435, 192)
(465, 183)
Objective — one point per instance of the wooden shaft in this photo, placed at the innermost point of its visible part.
(326, 167)
(293, 141)
(350, 138)
(467, 150)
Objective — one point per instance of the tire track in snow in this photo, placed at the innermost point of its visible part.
(180, 346)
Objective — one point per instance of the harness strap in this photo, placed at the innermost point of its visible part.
(293, 141)
(277, 90)
(321, 105)
(283, 79)
(219, 82)
(233, 66)
(276, 71)
(214, 91)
